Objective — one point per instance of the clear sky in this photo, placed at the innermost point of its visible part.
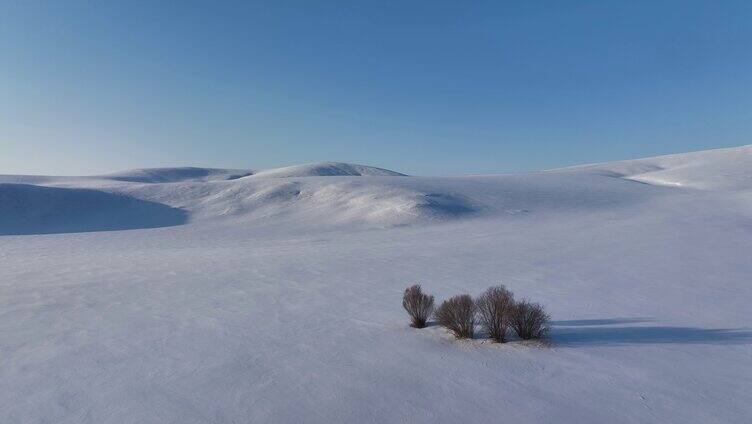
(423, 87)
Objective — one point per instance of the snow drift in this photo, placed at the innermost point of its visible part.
(28, 209)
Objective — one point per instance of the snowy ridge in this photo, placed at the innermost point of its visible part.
(326, 169)
(172, 175)
(381, 200)
(194, 174)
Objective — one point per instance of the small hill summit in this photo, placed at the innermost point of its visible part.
(326, 169)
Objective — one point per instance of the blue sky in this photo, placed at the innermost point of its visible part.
(423, 87)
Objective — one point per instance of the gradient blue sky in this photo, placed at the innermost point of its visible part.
(423, 87)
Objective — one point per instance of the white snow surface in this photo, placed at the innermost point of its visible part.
(184, 295)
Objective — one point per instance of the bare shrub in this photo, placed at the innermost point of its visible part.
(495, 309)
(529, 320)
(418, 305)
(458, 315)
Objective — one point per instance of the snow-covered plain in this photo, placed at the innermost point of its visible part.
(242, 296)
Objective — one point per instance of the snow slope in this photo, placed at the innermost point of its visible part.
(30, 209)
(725, 169)
(278, 300)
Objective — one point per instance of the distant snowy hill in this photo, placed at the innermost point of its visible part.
(325, 169)
(720, 169)
(172, 175)
(307, 193)
(185, 174)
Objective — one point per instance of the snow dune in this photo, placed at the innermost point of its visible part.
(278, 299)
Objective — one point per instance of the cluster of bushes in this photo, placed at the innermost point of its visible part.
(495, 310)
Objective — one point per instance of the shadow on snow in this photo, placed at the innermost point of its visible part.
(601, 332)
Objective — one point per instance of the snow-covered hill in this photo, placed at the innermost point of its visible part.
(274, 296)
(326, 169)
(721, 169)
(360, 195)
(193, 174)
